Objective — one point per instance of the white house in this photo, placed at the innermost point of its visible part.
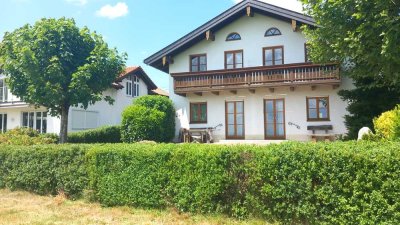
(132, 83)
(248, 70)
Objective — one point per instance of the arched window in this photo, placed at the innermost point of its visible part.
(272, 32)
(233, 37)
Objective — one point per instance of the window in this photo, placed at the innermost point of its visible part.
(306, 53)
(318, 109)
(35, 120)
(198, 112)
(3, 123)
(198, 63)
(272, 32)
(3, 91)
(234, 59)
(83, 119)
(233, 37)
(273, 56)
(132, 86)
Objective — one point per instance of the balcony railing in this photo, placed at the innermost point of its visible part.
(264, 76)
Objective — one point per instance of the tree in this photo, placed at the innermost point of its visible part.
(365, 36)
(57, 65)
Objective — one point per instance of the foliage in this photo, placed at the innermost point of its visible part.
(149, 118)
(162, 104)
(364, 35)
(290, 183)
(44, 169)
(293, 183)
(387, 125)
(57, 65)
(107, 134)
(26, 136)
(140, 123)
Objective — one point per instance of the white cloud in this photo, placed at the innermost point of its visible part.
(294, 5)
(112, 12)
(77, 2)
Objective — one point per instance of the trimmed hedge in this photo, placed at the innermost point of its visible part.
(44, 169)
(292, 183)
(107, 134)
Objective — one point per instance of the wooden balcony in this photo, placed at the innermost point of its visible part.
(253, 77)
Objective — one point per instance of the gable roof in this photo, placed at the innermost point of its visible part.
(138, 71)
(222, 20)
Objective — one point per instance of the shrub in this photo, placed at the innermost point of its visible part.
(387, 125)
(107, 134)
(27, 136)
(165, 124)
(44, 169)
(141, 123)
(293, 183)
(290, 183)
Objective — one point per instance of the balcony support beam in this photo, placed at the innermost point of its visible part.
(336, 86)
(292, 88)
(253, 91)
(198, 93)
(233, 92)
(313, 87)
(215, 92)
(272, 90)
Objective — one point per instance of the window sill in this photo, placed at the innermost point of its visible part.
(318, 120)
(202, 122)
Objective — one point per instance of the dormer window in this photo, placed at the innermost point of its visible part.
(272, 32)
(132, 86)
(233, 37)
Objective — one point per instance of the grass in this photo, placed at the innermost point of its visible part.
(25, 208)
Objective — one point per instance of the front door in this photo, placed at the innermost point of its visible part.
(274, 119)
(234, 119)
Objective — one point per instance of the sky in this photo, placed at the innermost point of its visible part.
(137, 27)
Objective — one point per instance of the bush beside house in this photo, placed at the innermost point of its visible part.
(293, 183)
(387, 125)
(107, 134)
(149, 118)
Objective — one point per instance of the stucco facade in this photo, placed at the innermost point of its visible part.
(252, 30)
(97, 115)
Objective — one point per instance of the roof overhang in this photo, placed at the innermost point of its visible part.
(138, 71)
(215, 24)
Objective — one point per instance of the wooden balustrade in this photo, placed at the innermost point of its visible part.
(270, 76)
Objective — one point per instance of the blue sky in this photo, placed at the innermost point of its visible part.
(137, 27)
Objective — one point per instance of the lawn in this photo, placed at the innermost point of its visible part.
(25, 208)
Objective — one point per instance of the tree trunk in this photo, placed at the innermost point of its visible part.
(64, 124)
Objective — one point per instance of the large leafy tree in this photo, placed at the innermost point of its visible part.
(57, 65)
(365, 36)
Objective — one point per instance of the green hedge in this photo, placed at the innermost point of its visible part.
(337, 183)
(44, 169)
(292, 183)
(107, 134)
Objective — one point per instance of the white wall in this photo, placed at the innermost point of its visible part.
(252, 30)
(110, 114)
(107, 114)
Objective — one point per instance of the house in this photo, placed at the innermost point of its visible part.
(248, 70)
(132, 83)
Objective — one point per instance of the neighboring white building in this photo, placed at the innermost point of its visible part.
(132, 83)
(247, 69)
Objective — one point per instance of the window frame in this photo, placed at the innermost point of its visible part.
(234, 52)
(271, 35)
(3, 122)
(318, 108)
(132, 86)
(35, 118)
(199, 104)
(4, 91)
(231, 34)
(273, 54)
(199, 65)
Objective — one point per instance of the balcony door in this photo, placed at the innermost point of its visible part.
(274, 119)
(234, 119)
